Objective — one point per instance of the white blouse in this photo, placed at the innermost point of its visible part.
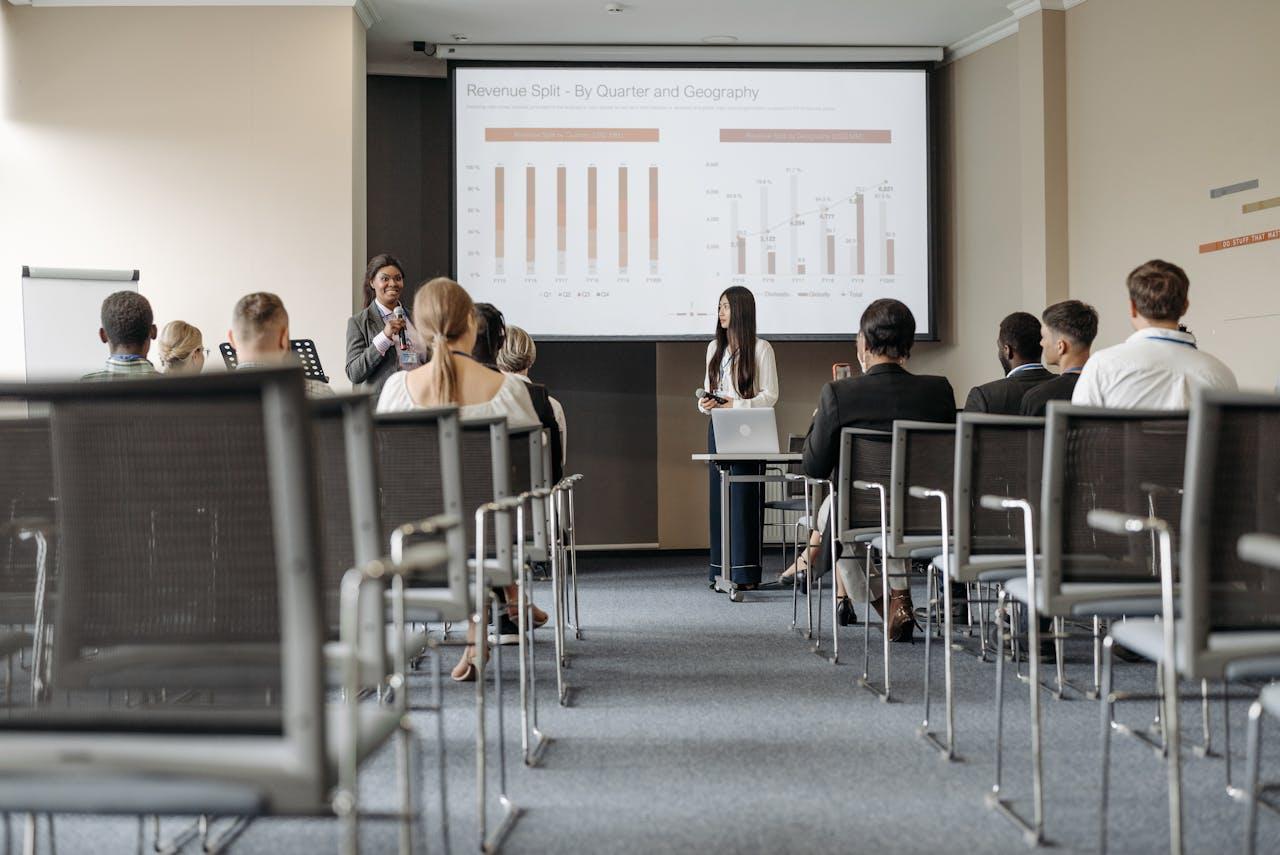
(766, 378)
(512, 401)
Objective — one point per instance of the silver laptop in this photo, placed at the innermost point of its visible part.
(745, 430)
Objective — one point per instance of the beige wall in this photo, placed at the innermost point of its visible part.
(1167, 99)
(218, 150)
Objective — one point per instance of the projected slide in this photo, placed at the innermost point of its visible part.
(621, 202)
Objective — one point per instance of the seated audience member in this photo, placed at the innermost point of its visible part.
(491, 337)
(884, 392)
(516, 357)
(1067, 331)
(127, 329)
(1159, 366)
(1018, 349)
(445, 316)
(182, 349)
(260, 334)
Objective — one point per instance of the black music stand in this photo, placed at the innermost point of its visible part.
(303, 348)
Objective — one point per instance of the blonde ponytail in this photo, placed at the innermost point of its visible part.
(442, 310)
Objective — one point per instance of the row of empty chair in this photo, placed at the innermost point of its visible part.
(218, 593)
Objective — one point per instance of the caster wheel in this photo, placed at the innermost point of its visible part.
(735, 596)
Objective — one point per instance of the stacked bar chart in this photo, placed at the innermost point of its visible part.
(832, 221)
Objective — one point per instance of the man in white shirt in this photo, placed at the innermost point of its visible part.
(1159, 367)
(260, 334)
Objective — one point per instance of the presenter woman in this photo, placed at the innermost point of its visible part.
(741, 372)
(379, 341)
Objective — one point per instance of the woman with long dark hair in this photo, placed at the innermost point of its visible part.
(741, 372)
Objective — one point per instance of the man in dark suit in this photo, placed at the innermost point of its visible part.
(1067, 331)
(1018, 348)
(884, 392)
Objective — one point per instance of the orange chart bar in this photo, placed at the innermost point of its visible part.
(804, 135)
(831, 254)
(591, 220)
(622, 219)
(773, 262)
(653, 219)
(499, 219)
(590, 135)
(560, 219)
(530, 220)
(888, 257)
(861, 245)
(742, 256)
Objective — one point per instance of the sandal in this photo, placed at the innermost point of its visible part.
(800, 565)
(465, 670)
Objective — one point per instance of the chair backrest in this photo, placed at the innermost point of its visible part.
(530, 457)
(794, 489)
(995, 456)
(26, 493)
(1233, 488)
(923, 455)
(347, 490)
(189, 551)
(486, 476)
(1130, 461)
(865, 455)
(419, 456)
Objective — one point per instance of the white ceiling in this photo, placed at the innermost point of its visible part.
(677, 22)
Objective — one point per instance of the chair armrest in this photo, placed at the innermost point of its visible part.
(436, 525)
(1261, 549)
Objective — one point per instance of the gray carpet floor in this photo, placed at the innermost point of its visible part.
(700, 725)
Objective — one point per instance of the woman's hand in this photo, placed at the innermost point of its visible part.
(713, 404)
(394, 327)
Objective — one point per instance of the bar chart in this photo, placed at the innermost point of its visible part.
(577, 200)
(816, 234)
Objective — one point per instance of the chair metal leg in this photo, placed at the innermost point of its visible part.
(1252, 761)
(948, 749)
(1107, 706)
(1205, 748)
(1033, 831)
(573, 565)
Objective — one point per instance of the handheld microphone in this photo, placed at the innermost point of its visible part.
(404, 337)
(703, 393)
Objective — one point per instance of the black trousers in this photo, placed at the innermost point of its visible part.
(746, 520)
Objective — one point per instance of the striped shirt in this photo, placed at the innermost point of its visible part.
(123, 367)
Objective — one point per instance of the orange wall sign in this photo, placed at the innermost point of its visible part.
(1243, 240)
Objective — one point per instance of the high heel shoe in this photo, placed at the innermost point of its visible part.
(845, 615)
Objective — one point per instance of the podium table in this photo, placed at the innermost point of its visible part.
(724, 583)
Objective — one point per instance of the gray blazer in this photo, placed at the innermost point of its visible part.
(366, 368)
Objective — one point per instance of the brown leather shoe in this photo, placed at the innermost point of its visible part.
(902, 619)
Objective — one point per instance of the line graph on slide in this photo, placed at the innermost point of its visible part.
(781, 229)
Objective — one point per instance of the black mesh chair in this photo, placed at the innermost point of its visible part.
(430, 463)
(1224, 621)
(860, 498)
(27, 548)
(351, 529)
(1263, 550)
(923, 473)
(189, 558)
(1093, 459)
(792, 501)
